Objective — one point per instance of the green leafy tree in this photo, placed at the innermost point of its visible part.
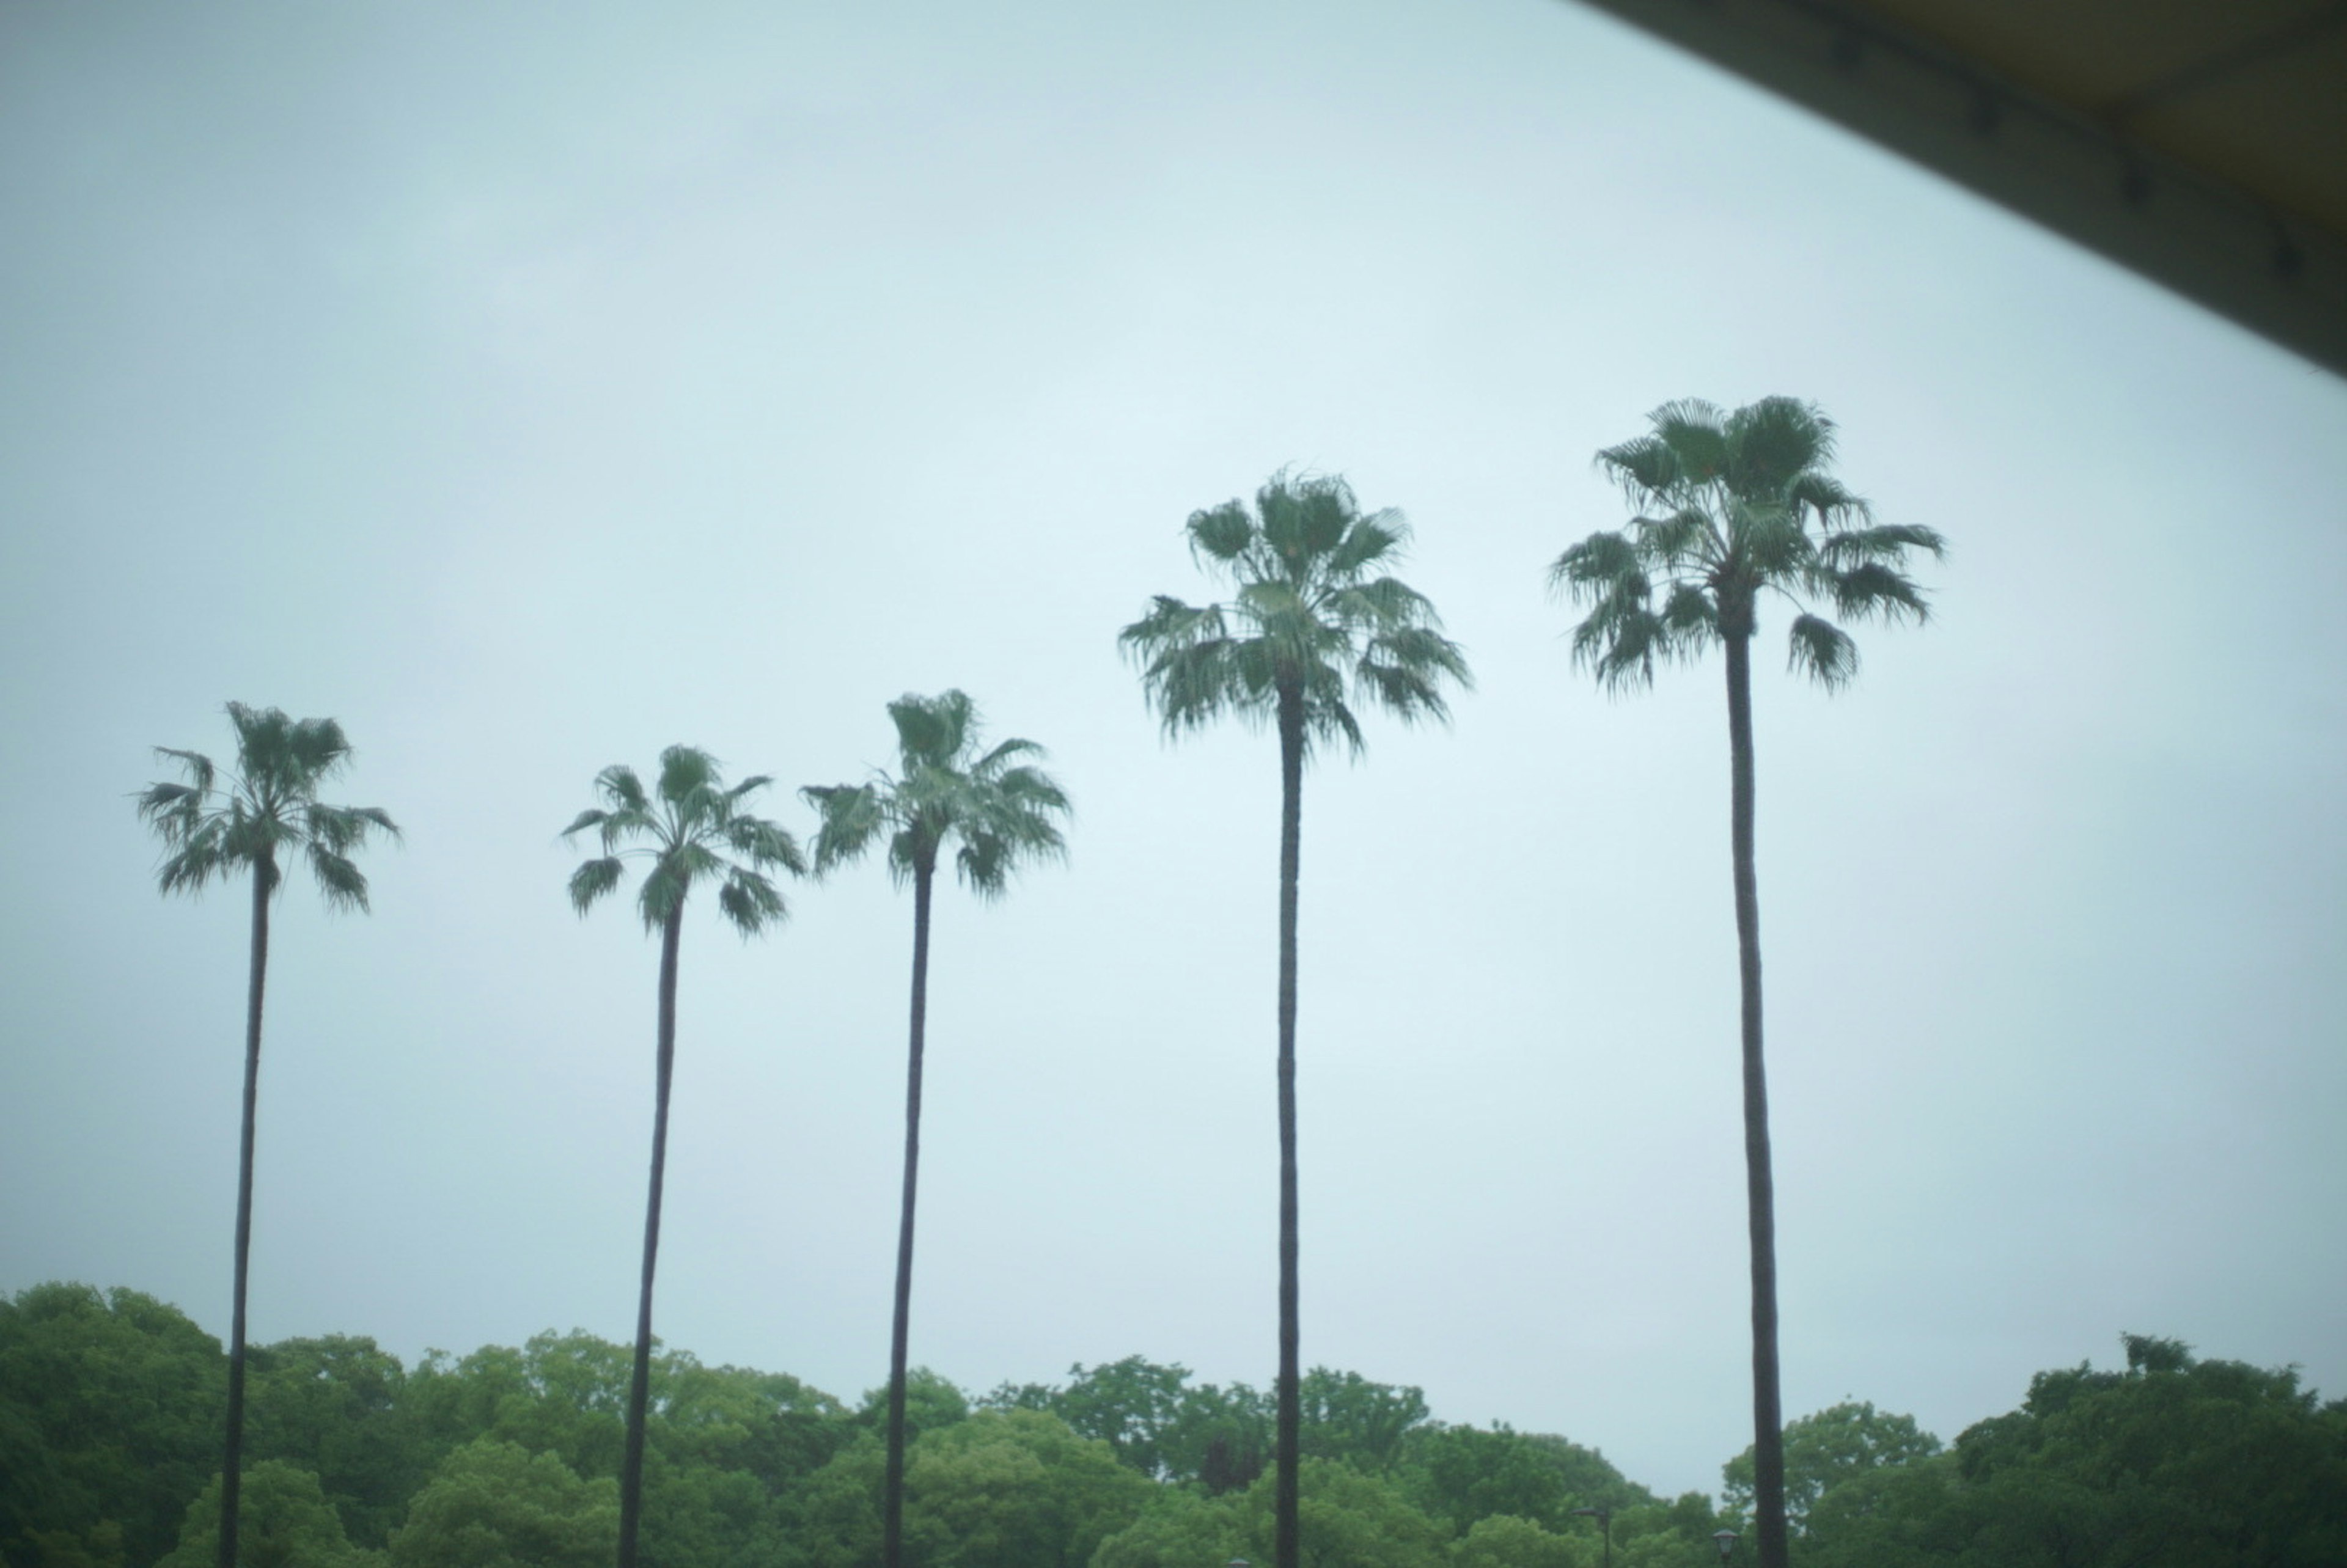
(2173, 1462)
(109, 1406)
(1346, 1417)
(1178, 1527)
(495, 1504)
(265, 813)
(1015, 1489)
(1733, 508)
(1345, 1520)
(1505, 1541)
(288, 1524)
(1313, 626)
(999, 809)
(1664, 1534)
(692, 829)
(1824, 1449)
(1461, 1474)
(1219, 1437)
(1131, 1405)
(336, 1405)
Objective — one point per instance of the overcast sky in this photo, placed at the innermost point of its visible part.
(532, 387)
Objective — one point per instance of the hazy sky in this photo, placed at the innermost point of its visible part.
(531, 388)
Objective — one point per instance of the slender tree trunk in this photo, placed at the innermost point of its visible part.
(264, 878)
(892, 1495)
(1288, 1438)
(632, 1464)
(1767, 1415)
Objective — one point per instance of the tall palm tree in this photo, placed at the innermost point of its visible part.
(998, 809)
(1734, 507)
(1312, 627)
(266, 810)
(694, 830)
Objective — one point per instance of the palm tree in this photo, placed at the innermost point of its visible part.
(267, 808)
(1311, 628)
(999, 810)
(695, 831)
(1733, 507)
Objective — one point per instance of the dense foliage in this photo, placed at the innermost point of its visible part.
(508, 1458)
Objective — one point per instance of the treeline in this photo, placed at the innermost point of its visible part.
(507, 1458)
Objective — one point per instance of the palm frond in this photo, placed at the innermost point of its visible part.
(1679, 538)
(1331, 718)
(983, 862)
(1324, 510)
(593, 817)
(198, 767)
(1770, 545)
(751, 902)
(1823, 497)
(848, 817)
(174, 811)
(1622, 651)
(619, 787)
(766, 844)
(1772, 443)
(684, 773)
(992, 765)
(1380, 603)
(1823, 650)
(1873, 590)
(1219, 533)
(1690, 619)
(316, 747)
(1193, 685)
(664, 892)
(343, 885)
(1599, 566)
(592, 880)
(931, 729)
(341, 828)
(195, 864)
(1169, 624)
(1380, 537)
(1888, 542)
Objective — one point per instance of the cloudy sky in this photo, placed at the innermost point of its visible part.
(531, 388)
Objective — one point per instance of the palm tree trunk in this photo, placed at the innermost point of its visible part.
(1767, 1416)
(1288, 1436)
(631, 1464)
(892, 1495)
(232, 1461)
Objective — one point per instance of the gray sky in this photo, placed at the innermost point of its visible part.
(531, 388)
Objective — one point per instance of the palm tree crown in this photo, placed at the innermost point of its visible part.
(996, 805)
(268, 807)
(694, 831)
(1310, 616)
(1733, 506)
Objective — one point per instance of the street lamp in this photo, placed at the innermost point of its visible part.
(1726, 1541)
(1605, 1517)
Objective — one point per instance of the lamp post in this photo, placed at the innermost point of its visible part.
(1726, 1541)
(1605, 1517)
